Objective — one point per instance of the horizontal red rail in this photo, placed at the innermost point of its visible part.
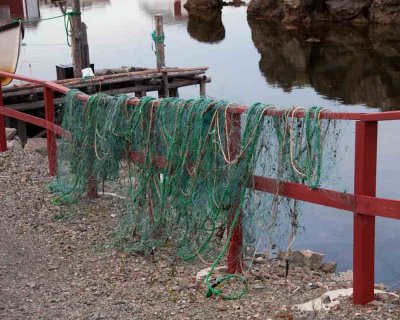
(40, 122)
(378, 207)
(325, 197)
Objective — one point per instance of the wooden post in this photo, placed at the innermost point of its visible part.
(174, 92)
(51, 137)
(364, 226)
(160, 52)
(80, 48)
(22, 132)
(235, 253)
(164, 92)
(85, 47)
(202, 88)
(3, 137)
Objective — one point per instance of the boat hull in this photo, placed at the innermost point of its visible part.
(10, 44)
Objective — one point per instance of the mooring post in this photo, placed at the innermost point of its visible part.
(160, 54)
(3, 137)
(85, 47)
(364, 226)
(50, 136)
(159, 42)
(80, 48)
(235, 252)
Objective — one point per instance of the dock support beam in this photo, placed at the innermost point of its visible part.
(364, 226)
(3, 138)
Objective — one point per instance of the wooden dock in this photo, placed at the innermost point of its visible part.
(125, 80)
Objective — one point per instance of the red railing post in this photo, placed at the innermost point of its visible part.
(51, 137)
(364, 226)
(235, 253)
(91, 188)
(3, 138)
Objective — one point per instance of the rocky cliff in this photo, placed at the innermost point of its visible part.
(305, 11)
(203, 4)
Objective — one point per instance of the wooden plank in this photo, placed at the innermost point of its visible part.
(106, 80)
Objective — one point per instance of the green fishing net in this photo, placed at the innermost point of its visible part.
(186, 168)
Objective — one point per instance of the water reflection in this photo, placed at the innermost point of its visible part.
(173, 11)
(206, 25)
(24, 9)
(68, 3)
(351, 64)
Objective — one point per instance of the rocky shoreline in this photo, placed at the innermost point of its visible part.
(306, 11)
(57, 262)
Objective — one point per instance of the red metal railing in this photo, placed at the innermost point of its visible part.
(363, 203)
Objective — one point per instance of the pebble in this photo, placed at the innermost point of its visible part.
(326, 299)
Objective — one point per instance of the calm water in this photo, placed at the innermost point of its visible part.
(338, 67)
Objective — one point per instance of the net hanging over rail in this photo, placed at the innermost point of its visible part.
(187, 168)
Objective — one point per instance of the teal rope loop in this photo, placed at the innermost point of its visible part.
(313, 140)
(158, 38)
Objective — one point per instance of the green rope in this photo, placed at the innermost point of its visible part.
(249, 143)
(67, 22)
(157, 39)
(313, 136)
(69, 14)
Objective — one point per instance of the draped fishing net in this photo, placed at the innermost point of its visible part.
(186, 170)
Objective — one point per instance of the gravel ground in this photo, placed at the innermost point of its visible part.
(56, 262)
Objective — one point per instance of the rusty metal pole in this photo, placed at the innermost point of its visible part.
(364, 226)
(3, 137)
(235, 253)
(51, 137)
